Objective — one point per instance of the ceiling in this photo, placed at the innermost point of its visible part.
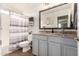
(21, 7)
(25, 8)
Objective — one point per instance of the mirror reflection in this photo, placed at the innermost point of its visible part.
(61, 16)
(63, 22)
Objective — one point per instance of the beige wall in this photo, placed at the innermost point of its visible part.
(5, 22)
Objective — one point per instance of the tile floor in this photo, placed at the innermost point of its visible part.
(20, 53)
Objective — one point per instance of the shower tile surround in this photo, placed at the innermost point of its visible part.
(15, 30)
(18, 30)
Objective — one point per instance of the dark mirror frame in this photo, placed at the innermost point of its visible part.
(75, 16)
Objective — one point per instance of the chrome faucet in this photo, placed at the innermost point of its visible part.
(52, 30)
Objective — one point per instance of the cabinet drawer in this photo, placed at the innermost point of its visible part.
(70, 41)
(39, 37)
(55, 39)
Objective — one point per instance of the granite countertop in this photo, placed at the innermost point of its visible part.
(56, 34)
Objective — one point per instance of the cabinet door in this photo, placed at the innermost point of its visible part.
(53, 49)
(69, 51)
(35, 46)
(42, 47)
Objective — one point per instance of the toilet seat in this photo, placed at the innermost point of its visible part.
(24, 44)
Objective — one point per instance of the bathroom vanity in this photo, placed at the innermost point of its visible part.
(54, 44)
(60, 17)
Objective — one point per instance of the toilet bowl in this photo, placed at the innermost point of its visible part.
(25, 45)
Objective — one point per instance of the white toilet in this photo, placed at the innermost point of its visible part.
(25, 45)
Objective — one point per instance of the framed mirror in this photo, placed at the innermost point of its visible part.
(60, 16)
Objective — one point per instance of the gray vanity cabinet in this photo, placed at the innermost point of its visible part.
(54, 46)
(35, 46)
(62, 46)
(69, 51)
(54, 49)
(42, 47)
(69, 47)
(39, 45)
